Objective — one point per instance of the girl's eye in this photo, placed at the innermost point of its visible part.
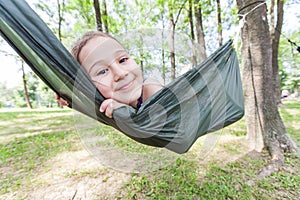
(103, 71)
(122, 60)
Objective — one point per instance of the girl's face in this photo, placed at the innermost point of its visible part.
(115, 74)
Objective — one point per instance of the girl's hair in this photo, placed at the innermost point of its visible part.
(81, 42)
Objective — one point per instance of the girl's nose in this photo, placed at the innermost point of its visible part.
(118, 71)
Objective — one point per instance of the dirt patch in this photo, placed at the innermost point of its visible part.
(74, 175)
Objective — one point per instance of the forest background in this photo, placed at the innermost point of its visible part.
(209, 24)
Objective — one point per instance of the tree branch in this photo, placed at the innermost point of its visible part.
(180, 9)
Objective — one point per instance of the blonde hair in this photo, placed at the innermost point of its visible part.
(81, 42)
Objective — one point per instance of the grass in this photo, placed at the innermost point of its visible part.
(30, 138)
(291, 116)
(229, 181)
(181, 181)
(28, 122)
(22, 156)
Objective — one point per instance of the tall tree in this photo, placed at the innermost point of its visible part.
(219, 22)
(26, 95)
(265, 127)
(199, 30)
(105, 16)
(275, 30)
(173, 21)
(24, 78)
(98, 15)
(190, 15)
(161, 17)
(60, 8)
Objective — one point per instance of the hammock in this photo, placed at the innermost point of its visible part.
(205, 99)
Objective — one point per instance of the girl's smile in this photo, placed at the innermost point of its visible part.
(126, 86)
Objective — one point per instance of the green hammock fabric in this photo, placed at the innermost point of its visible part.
(203, 100)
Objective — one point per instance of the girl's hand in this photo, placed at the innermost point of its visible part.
(109, 105)
(61, 101)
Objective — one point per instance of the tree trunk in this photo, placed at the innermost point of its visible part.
(60, 19)
(199, 30)
(141, 52)
(25, 88)
(219, 23)
(194, 60)
(264, 124)
(172, 38)
(172, 49)
(98, 15)
(105, 16)
(164, 68)
(275, 31)
(173, 22)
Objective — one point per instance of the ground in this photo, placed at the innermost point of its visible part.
(72, 172)
(76, 175)
(79, 175)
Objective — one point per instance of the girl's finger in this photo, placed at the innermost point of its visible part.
(105, 104)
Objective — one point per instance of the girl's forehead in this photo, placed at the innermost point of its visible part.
(100, 48)
(102, 43)
(96, 42)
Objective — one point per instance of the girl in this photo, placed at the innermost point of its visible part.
(115, 74)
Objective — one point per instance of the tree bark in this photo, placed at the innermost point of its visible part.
(194, 60)
(219, 23)
(275, 30)
(265, 127)
(98, 15)
(105, 16)
(60, 19)
(141, 52)
(172, 47)
(173, 22)
(172, 51)
(25, 87)
(199, 30)
(164, 68)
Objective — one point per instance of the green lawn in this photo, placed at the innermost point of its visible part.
(182, 180)
(28, 139)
